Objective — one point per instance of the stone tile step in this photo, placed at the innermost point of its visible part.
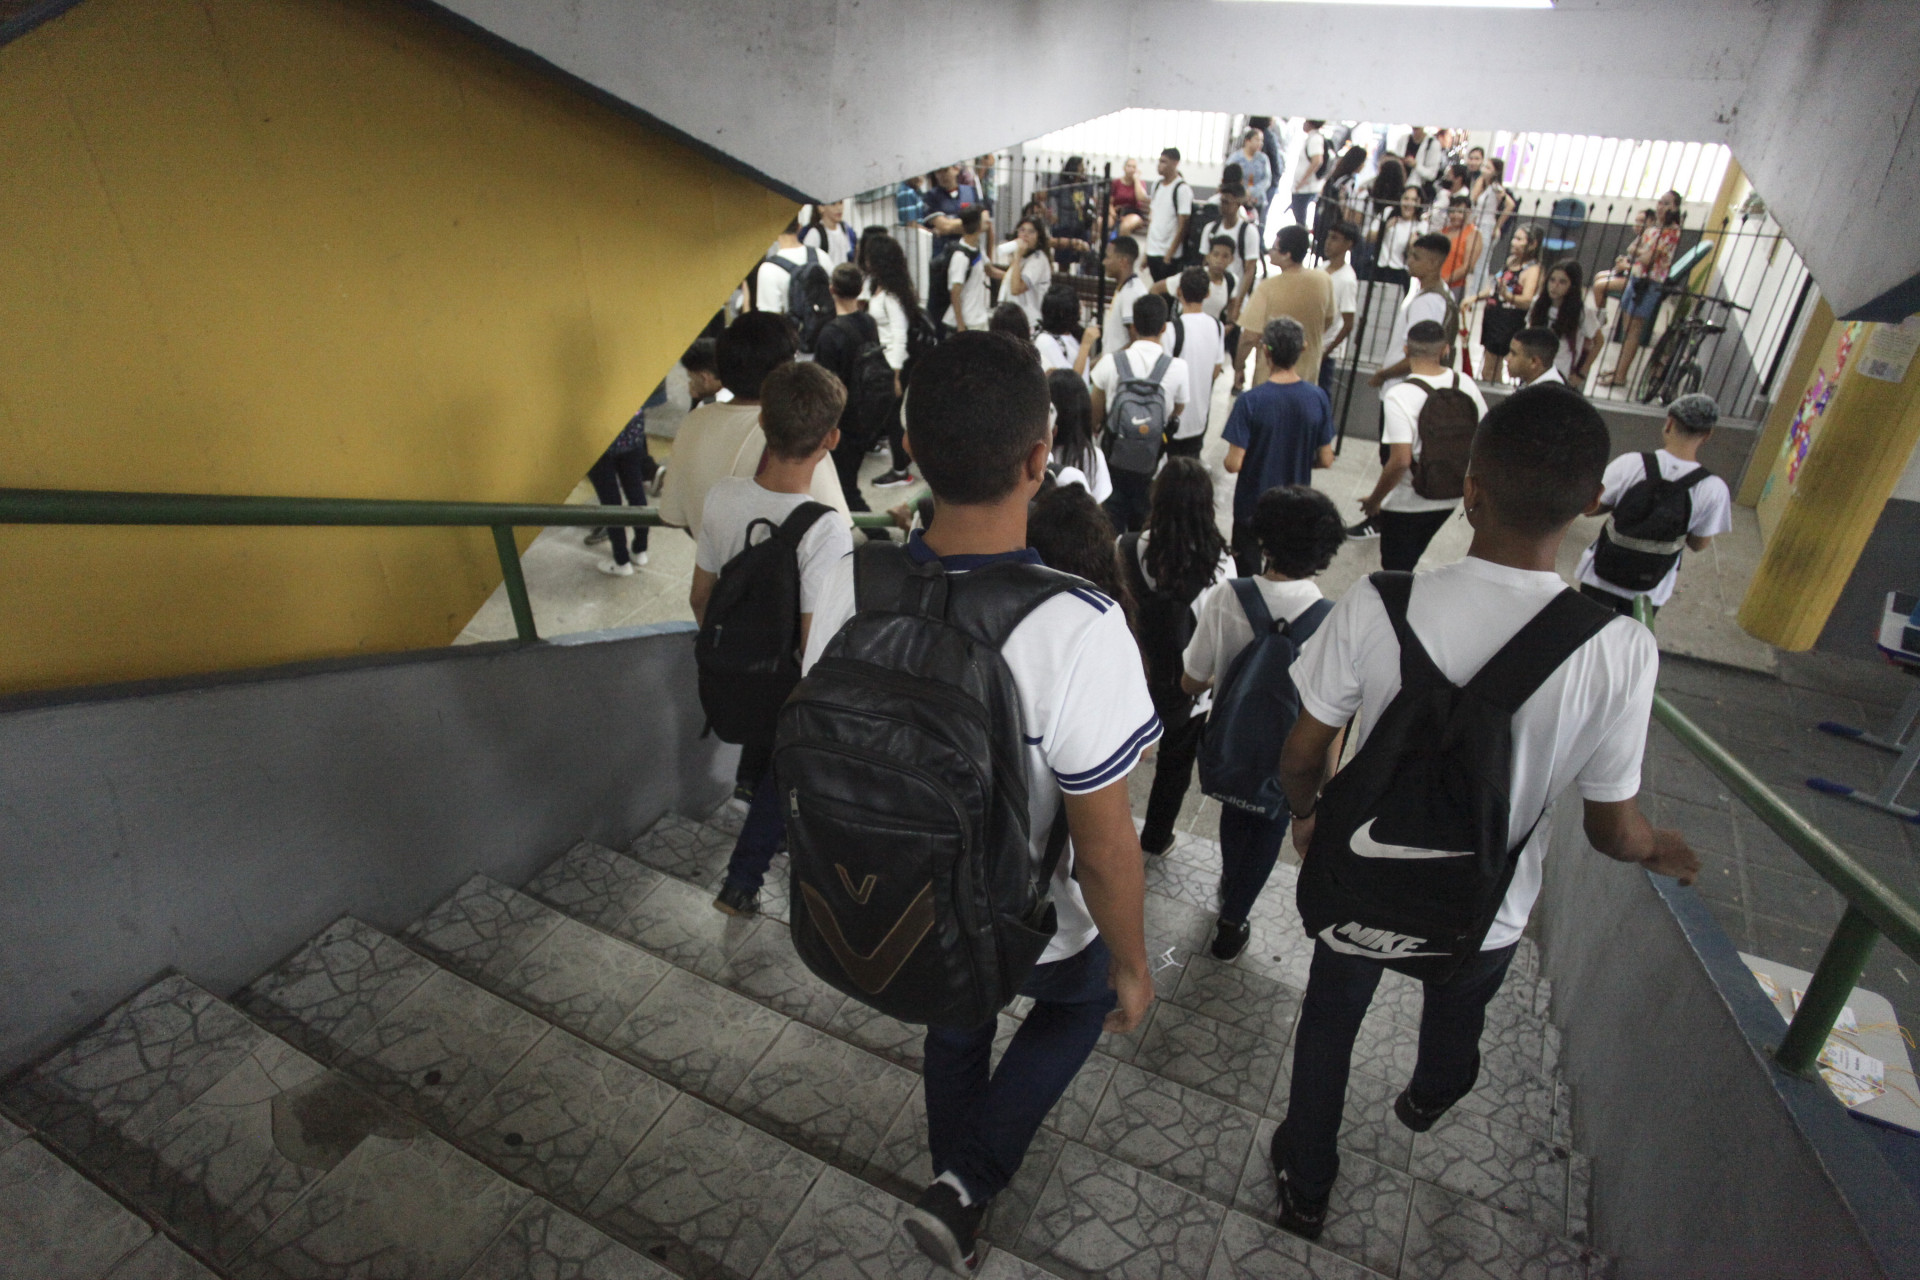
(264, 1160)
(57, 1224)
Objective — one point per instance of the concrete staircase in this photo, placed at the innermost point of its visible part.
(599, 1077)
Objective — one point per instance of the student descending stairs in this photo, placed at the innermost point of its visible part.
(600, 1077)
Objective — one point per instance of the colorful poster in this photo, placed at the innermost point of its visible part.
(1813, 404)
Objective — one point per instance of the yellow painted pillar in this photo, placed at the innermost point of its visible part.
(1786, 403)
(1865, 440)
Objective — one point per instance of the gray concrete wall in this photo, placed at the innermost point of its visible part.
(1888, 562)
(1708, 1159)
(214, 825)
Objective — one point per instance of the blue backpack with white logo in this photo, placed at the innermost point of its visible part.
(1412, 853)
(1255, 707)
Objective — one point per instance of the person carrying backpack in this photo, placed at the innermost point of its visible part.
(1428, 421)
(1660, 504)
(850, 349)
(764, 553)
(792, 281)
(960, 701)
(1477, 692)
(1249, 632)
(1136, 394)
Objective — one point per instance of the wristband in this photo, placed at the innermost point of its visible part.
(1302, 817)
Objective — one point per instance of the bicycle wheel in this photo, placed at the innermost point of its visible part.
(1689, 380)
(1654, 377)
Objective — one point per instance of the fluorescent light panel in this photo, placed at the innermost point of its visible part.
(1422, 4)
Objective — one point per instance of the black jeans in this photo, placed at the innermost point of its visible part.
(1622, 605)
(1187, 446)
(1339, 989)
(1404, 535)
(615, 472)
(1160, 268)
(896, 436)
(1172, 775)
(761, 836)
(1249, 846)
(1131, 498)
(1247, 557)
(847, 456)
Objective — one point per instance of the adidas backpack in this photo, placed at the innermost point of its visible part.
(1446, 425)
(1412, 853)
(1644, 536)
(902, 775)
(1137, 418)
(1255, 707)
(747, 651)
(809, 296)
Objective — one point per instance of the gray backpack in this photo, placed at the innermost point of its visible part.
(1137, 418)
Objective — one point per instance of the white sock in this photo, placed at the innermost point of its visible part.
(953, 1180)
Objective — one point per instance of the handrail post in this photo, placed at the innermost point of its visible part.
(516, 582)
(1841, 965)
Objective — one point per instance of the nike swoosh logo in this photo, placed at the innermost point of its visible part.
(873, 971)
(1365, 846)
(1385, 953)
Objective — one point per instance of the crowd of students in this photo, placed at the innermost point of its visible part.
(939, 731)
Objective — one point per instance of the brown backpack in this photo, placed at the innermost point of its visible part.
(1446, 425)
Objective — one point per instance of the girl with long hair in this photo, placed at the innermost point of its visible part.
(1073, 534)
(1397, 230)
(1168, 564)
(1026, 267)
(1079, 460)
(1562, 308)
(826, 232)
(895, 308)
(1060, 339)
(1641, 301)
(1507, 298)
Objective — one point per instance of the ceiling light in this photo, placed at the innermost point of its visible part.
(1422, 4)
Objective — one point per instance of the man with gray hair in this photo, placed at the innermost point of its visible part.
(1277, 434)
(1658, 505)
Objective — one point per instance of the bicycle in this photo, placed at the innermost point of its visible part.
(1674, 367)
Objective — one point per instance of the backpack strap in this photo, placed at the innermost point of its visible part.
(1160, 367)
(1123, 372)
(1416, 664)
(801, 519)
(1301, 629)
(1254, 605)
(1693, 477)
(1650, 463)
(1130, 557)
(1536, 651)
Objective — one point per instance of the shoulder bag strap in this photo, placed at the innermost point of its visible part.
(1254, 605)
(1523, 664)
(1416, 665)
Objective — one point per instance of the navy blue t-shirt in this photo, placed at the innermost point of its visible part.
(1281, 426)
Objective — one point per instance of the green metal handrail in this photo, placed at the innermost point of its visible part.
(72, 506)
(1873, 907)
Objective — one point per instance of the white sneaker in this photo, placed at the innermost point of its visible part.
(640, 559)
(614, 570)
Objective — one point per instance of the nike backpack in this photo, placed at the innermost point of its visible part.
(748, 649)
(809, 296)
(1644, 536)
(1412, 852)
(1446, 425)
(1137, 417)
(1254, 708)
(903, 779)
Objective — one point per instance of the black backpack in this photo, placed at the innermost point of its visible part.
(809, 295)
(1193, 246)
(747, 651)
(1255, 706)
(869, 379)
(1644, 536)
(1411, 853)
(1164, 624)
(1446, 423)
(902, 772)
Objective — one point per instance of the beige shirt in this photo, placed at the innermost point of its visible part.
(719, 440)
(1307, 296)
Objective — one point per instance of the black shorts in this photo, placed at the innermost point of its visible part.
(1497, 327)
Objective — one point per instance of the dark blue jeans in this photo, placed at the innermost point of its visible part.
(1249, 846)
(613, 474)
(1339, 989)
(761, 836)
(979, 1127)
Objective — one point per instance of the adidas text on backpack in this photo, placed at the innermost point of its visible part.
(1446, 424)
(1644, 536)
(902, 776)
(1137, 417)
(1411, 853)
(809, 295)
(747, 651)
(1255, 707)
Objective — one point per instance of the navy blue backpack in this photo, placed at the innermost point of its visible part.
(1254, 708)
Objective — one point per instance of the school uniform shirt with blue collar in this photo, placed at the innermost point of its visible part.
(1085, 714)
(1586, 725)
(967, 268)
(836, 243)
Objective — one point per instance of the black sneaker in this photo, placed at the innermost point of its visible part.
(1304, 1217)
(1364, 530)
(892, 479)
(735, 901)
(945, 1229)
(1230, 939)
(1414, 1116)
(1155, 846)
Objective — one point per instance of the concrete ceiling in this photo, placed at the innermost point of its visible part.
(823, 98)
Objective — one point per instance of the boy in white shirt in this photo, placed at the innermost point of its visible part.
(1167, 225)
(1238, 226)
(1131, 489)
(1531, 356)
(977, 424)
(1689, 423)
(1536, 465)
(1200, 342)
(770, 281)
(800, 414)
(1121, 264)
(1341, 237)
(1406, 521)
(1431, 301)
(1222, 284)
(967, 274)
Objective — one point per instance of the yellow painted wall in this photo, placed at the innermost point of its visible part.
(315, 247)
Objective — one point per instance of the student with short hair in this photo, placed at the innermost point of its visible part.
(703, 373)
(1536, 465)
(968, 273)
(1167, 222)
(1704, 514)
(1298, 531)
(1277, 434)
(1121, 264)
(1295, 289)
(1530, 357)
(977, 426)
(1310, 163)
(771, 281)
(1406, 521)
(1341, 237)
(1200, 342)
(1238, 224)
(1218, 268)
(1010, 319)
(838, 351)
(1128, 504)
(1430, 301)
(799, 414)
